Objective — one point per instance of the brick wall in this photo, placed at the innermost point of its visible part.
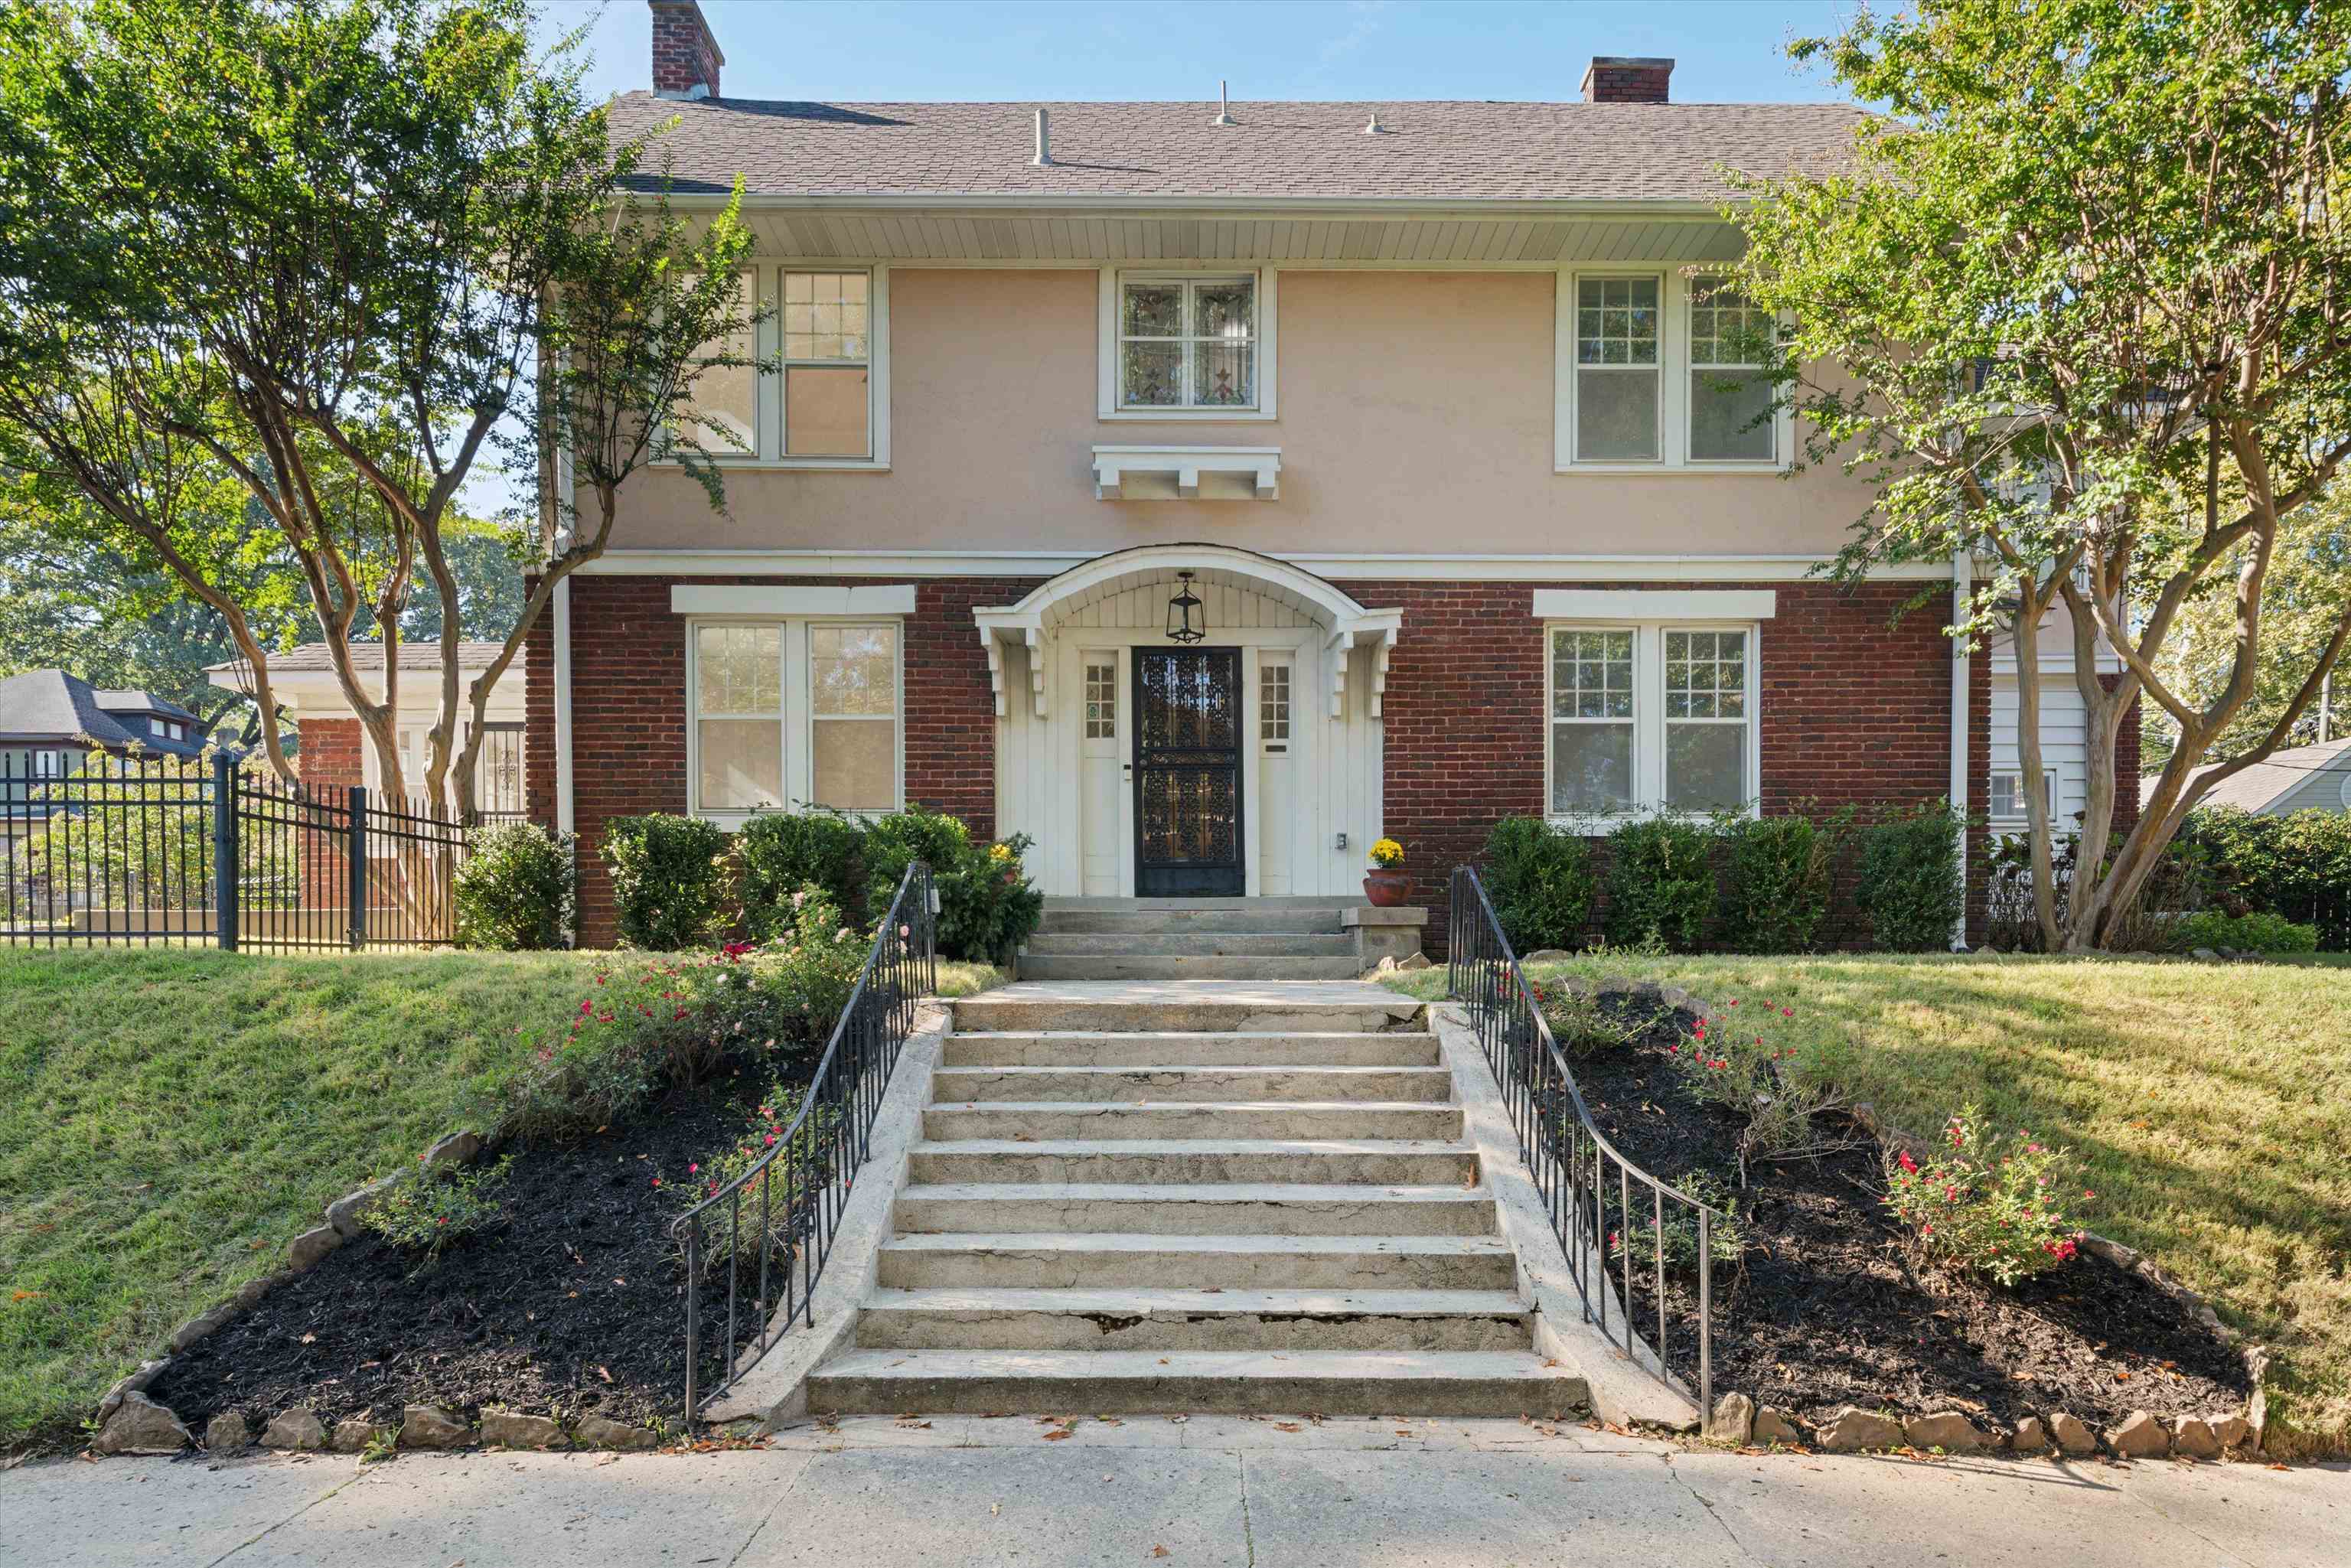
(330, 757)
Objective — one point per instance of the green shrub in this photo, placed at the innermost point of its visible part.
(1679, 1236)
(426, 1213)
(1579, 1025)
(783, 851)
(1539, 882)
(988, 907)
(2297, 865)
(1782, 875)
(801, 979)
(514, 888)
(2254, 933)
(1910, 889)
(1738, 1058)
(776, 1196)
(1660, 880)
(1989, 1205)
(670, 880)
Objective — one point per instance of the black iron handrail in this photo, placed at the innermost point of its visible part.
(802, 1181)
(1565, 1151)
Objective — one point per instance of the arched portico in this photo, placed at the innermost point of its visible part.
(1248, 763)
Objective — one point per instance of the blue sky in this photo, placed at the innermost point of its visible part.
(1725, 51)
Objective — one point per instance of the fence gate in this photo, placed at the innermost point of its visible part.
(171, 852)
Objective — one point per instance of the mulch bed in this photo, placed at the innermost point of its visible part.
(574, 1306)
(1829, 1308)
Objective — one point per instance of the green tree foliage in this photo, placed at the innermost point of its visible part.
(2079, 307)
(337, 250)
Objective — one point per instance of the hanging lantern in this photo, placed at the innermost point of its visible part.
(1180, 608)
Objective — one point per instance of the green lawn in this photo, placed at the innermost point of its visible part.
(169, 1119)
(2210, 1106)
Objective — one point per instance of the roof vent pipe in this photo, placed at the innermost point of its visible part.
(1044, 145)
(1376, 127)
(1224, 105)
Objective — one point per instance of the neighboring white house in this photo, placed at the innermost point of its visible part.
(2304, 779)
(2064, 745)
(303, 680)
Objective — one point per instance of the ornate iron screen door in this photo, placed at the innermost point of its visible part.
(1187, 772)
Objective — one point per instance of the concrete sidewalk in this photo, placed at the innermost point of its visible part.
(878, 1492)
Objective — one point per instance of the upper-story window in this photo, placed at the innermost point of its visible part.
(1187, 345)
(824, 403)
(1661, 369)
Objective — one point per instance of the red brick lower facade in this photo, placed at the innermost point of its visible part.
(1856, 703)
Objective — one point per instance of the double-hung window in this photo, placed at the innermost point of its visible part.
(1650, 716)
(1187, 345)
(1662, 371)
(787, 713)
(2008, 800)
(809, 389)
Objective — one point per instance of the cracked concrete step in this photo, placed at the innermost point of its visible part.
(1161, 1321)
(1103, 1049)
(1333, 1383)
(1367, 1162)
(1046, 1260)
(1422, 1084)
(1215, 1208)
(1225, 944)
(1322, 919)
(1146, 1007)
(1177, 967)
(1047, 1119)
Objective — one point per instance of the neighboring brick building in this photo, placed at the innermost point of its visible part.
(1429, 415)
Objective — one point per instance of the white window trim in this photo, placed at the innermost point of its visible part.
(1649, 715)
(799, 715)
(1672, 384)
(1106, 389)
(2048, 785)
(767, 286)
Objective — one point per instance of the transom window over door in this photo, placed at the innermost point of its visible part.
(1187, 342)
(1651, 716)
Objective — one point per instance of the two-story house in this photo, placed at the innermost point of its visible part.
(1206, 489)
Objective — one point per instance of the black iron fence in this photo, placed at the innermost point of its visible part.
(761, 1239)
(163, 850)
(1638, 1249)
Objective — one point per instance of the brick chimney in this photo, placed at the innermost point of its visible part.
(1626, 79)
(685, 56)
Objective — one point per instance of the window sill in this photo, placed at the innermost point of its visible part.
(736, 821)
(1619, 470)
(1184, 415)
(1599, 826)
(787, 464)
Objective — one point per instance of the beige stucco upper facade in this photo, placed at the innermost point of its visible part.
(1419, 412)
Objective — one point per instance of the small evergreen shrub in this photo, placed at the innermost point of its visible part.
(988, 905)
(1639, 1243)
(2253, 932)
(1660, 880)
(1782, 875)
(1989, 1205)
(425, 1214)
(1911, 890)
(670, 880)
(1539, 882)
(514, 888)
(783, 851)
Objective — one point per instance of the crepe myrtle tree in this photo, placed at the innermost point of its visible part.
(339, 249)
(2079, 306)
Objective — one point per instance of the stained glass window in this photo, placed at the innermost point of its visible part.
(1187, 342)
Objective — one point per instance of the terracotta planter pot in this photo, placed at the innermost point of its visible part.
(1387, 889)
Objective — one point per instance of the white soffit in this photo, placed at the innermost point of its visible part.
(1655, 604)
(755, 599)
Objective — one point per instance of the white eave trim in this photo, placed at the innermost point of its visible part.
(1411, 568)
(1127, 205)
(1655, 604)
(1257, 471)
(754, 599)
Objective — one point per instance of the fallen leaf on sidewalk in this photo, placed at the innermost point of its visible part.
(1057, 1434)
(1159, 1551)
(1288, 1426)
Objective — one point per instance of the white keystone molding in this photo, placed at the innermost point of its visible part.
(755, 598)
(1655, 604)
(1184, 466)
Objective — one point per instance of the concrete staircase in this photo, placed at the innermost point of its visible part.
(1194, 1196)
(1192, 939)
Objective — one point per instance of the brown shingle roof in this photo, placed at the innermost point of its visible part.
(426, 655)
(1428, 150)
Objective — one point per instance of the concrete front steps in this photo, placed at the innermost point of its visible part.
(1226, 1197)
(1192, 939)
